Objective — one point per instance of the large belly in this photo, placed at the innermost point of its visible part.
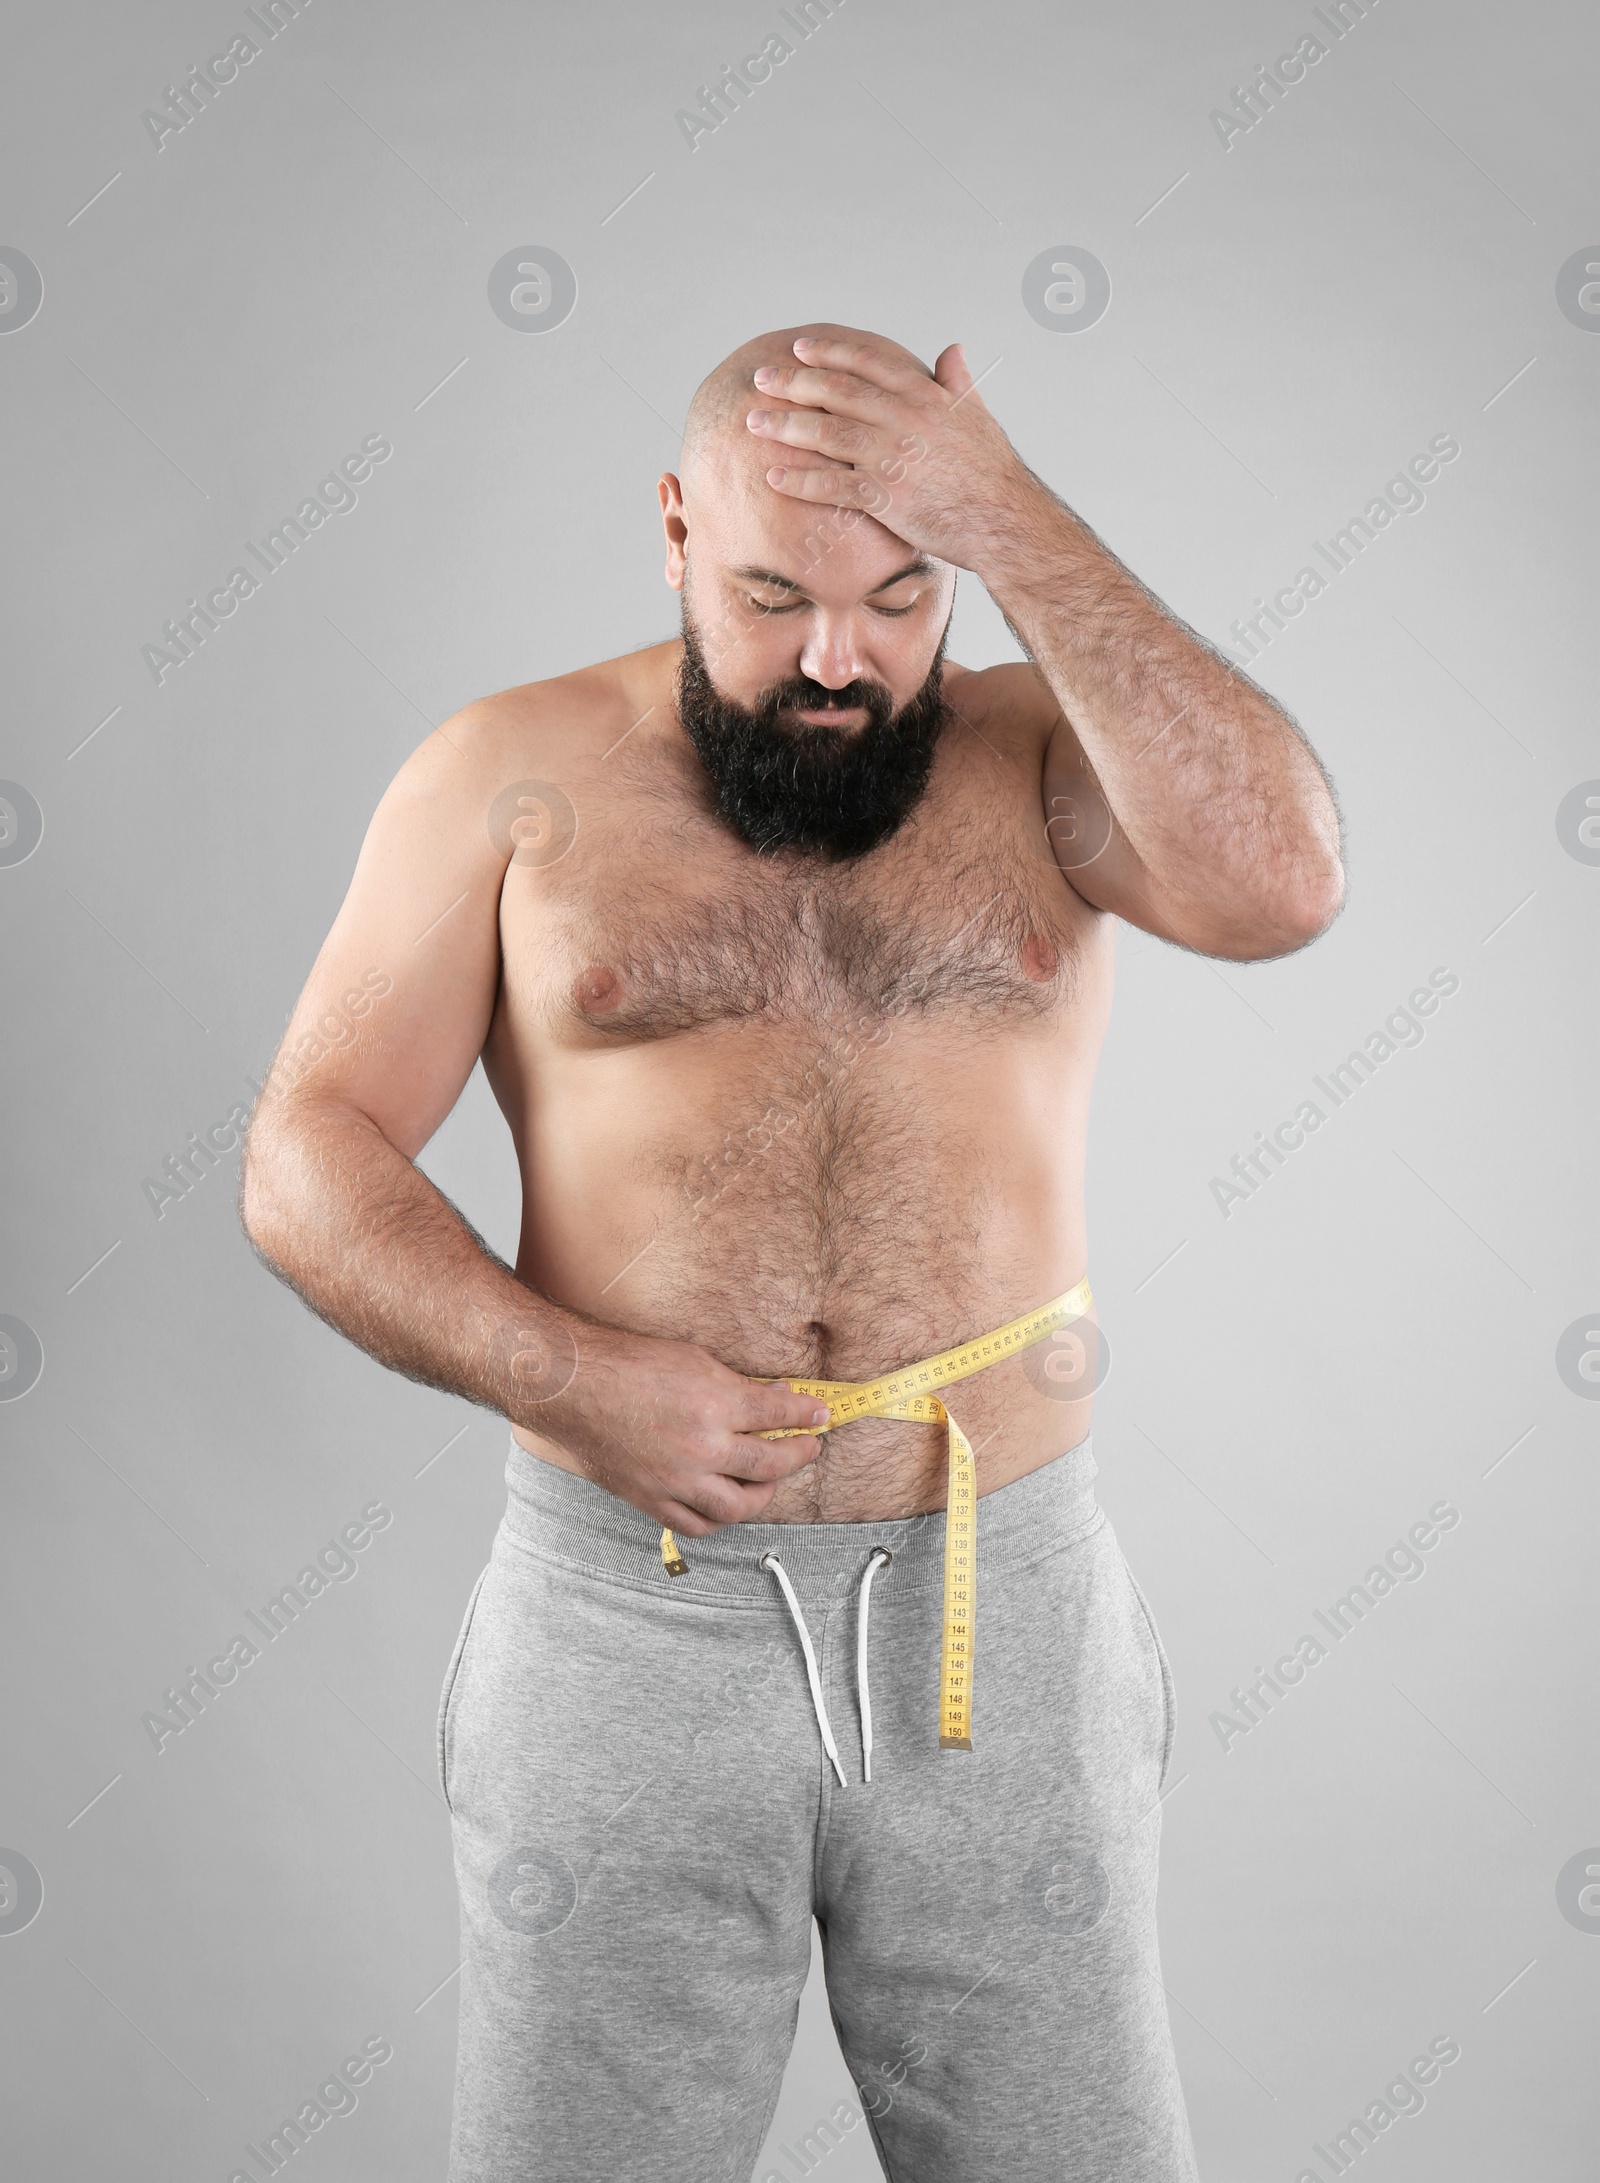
(829, 1200)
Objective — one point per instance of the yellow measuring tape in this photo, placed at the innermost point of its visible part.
(907, 1395)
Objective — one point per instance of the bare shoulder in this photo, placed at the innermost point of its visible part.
(1011, 703)
(548, 730)
(420, 922)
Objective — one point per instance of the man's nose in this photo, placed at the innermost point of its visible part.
(831, 656)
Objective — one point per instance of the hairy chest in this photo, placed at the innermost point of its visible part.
(973, 923)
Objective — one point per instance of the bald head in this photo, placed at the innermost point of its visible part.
(719, 454)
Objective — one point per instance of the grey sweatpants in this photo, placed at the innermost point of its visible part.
(646, 1823)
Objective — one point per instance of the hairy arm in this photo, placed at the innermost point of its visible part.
(1216, 825)
(381, 1044)
(379, 1048)
(1177, 793)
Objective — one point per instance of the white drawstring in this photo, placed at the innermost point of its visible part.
(880, 1559)
(771, 1561)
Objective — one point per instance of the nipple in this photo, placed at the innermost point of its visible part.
(597, 989)
(1039, 958)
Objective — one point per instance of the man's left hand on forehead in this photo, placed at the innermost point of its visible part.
(916, 450)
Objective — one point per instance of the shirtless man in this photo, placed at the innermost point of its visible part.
(787, 949)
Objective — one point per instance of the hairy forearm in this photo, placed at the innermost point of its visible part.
(369, 1243)
(1219, 796)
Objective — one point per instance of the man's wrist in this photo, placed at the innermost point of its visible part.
(535, 1351)
(1029, 543)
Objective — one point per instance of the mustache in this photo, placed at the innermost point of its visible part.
(798, 693)
(814, 695)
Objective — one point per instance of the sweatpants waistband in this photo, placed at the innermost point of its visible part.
(564, 1518)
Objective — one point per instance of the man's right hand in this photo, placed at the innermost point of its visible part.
(667, 1427)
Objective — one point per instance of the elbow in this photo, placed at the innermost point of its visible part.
(259, 1195)
(1313, 884)
(1314, 900)
(252, 1204)
(1301, 875)
(1280, 922)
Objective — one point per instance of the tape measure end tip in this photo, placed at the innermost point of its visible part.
(955, 1743)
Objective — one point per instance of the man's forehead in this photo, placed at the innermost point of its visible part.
(819, 557)
(762, 535)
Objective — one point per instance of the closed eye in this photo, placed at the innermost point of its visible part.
(766, 607)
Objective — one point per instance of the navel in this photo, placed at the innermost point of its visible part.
(1039, 959)
(597, 989)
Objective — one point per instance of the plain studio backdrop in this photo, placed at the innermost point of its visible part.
(198, 324)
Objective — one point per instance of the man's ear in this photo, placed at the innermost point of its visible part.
(674, 523)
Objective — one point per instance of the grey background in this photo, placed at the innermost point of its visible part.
(1375, 1864)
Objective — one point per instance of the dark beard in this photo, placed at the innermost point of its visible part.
(839, 791)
